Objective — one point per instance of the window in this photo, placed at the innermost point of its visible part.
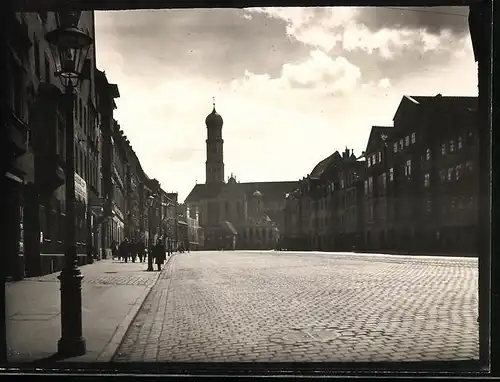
(407, 141)
(374, 159)
(450, 173)
(442, 175)
(401, 145)
(408, 168)
(369, 161)
(452, 146)
(395, 147)
(428, 206)
(443, 149)
(80, 111)
(370, 185)
(47, 68)
(366, 187)
(391, 174)
(413, 138)
(469, 166)
(379, 157)
(460, 143)
(36, 56)
(428, 154)
(427, 180)
(458, 171)
(384, 180)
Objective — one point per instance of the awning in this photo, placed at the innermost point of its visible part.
(228, 227)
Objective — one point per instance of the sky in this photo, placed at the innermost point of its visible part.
(293, 85)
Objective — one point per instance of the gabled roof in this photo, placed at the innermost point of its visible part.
(444, 104)
(320, 168)
(376, 136)
(269, 190)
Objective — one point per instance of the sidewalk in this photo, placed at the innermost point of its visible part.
(112, 294)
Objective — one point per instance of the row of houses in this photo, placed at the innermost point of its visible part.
(115, 198)
(414, 189)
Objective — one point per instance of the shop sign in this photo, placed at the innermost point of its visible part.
(80, 187)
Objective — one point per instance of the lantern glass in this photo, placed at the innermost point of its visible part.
(69, 46)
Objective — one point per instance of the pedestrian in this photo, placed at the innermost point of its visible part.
(114, 250)
(159, 254)
(133, 250)
(124, 250)
(141, 251)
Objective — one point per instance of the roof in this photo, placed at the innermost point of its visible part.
(269, 190)
(444, 104)
(228, 227)
(376, 135)
(320, 168)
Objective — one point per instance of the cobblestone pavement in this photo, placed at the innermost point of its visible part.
(278, 306)
(109, 272)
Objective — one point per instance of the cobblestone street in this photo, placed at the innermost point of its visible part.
(279, 306)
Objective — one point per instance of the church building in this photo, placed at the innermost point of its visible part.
(236, 215)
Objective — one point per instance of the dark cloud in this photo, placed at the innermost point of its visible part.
(218, 44)
(408, 60)
(433, 19)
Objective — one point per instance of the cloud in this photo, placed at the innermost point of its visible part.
(214, 43)
(292, 84)
(434, 20)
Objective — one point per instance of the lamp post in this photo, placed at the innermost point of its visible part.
(151, 200)
(69, 46)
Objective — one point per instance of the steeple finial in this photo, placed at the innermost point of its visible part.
(213, 102)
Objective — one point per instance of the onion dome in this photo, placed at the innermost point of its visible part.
(214, 119)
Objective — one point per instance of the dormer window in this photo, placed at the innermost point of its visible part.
(374, 159)
(443, 149)
(407, 141)
(369, 161)
(380, 157)
(413, 138)
(395, 147)
(401, 145)
(452, 146)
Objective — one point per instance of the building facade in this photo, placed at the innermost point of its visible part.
(254, 211)
(415, 188)
(324, 212)
(421, 187)
(36, 104)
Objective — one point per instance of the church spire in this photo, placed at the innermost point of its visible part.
(213, 102)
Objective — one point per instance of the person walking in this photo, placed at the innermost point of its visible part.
(123, 250)
(159, 254)
(114, 250)
(141, 251)
(133, 250)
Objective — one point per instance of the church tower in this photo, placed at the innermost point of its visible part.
(215, 153)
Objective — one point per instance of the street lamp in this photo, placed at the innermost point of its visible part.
(150, 246)
(69, 46)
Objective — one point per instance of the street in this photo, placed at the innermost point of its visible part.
(287, 306)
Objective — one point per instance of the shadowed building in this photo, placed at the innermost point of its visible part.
(254, 210)
(422, 177)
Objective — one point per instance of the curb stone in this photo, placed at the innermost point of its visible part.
(114, 343)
